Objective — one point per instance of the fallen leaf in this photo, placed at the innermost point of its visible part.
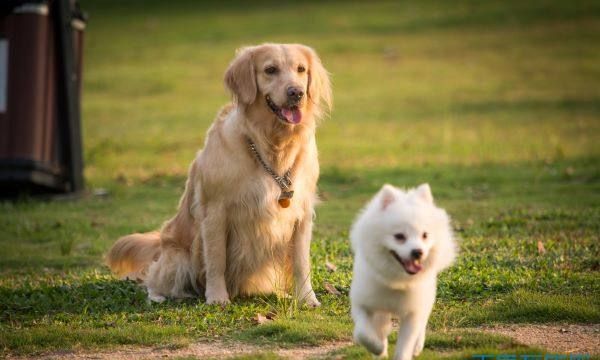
(330, 266)
(331, 289)
(261, 319)
(569, 171)
(541, 249)
(271, 315)
(96, 223)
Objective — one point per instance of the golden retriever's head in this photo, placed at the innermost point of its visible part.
(288, 80)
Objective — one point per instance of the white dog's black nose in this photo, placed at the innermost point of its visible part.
(416, 254)
(294, 93)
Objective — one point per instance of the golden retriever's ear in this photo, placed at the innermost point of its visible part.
(240, 78)
(319, 85)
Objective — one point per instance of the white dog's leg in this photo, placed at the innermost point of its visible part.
(215, 254)
(365, 331)
(426, 305)
(302, 283)
(420, 344)
(382, 322)
(410, 328)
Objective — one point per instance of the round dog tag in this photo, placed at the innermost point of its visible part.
(284, 203)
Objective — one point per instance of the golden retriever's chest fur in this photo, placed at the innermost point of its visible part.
(259, 236)
(259, 215)
(259, 231)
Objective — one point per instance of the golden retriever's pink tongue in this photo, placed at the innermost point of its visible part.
(293, 116)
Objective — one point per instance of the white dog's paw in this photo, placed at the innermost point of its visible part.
(418, 350)
(384, 353)
(371, 342)
(419, 345)
(402, 355)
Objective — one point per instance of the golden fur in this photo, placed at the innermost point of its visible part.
(230, 236)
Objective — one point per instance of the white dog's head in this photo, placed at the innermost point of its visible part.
(403, 232)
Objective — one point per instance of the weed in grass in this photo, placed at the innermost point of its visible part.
(66, 246)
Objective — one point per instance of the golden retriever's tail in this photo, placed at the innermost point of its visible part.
(131, 255)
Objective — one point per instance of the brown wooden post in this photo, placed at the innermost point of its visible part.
(68, 99)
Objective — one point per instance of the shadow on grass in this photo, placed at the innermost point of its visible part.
(533, 307)
(68, 337)
(98, 297)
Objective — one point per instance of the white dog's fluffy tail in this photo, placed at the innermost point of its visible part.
(131, 255)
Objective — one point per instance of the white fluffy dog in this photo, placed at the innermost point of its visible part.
(401, 242)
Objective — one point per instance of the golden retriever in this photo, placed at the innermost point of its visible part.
(244, 222)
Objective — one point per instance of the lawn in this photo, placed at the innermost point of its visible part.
(495, 104)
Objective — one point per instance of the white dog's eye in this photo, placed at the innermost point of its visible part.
(271, 70)
(424, 236)
(400, 236)
(301, 68)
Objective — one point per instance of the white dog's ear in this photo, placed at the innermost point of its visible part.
(424, 192)
(319, 85)
(240, 77)
(387, 195)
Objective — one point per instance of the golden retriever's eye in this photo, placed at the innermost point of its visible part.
(271, 70)
(400, 236)
(424, 236)
(301, 68)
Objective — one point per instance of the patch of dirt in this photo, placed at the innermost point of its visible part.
(564, 339)
(216, 350)
(560, 339)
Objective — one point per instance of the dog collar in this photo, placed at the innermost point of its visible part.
(283, 181)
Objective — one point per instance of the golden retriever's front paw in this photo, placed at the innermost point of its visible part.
(217, 301)
(155, 297)
(218, 297)
(311, 300)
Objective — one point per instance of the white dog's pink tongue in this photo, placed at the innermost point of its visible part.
(412, 267)
(293, 116)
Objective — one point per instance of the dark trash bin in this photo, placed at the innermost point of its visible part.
(41, 45)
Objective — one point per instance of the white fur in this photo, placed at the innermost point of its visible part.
(381, 287)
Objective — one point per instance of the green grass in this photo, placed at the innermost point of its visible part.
(496, 104)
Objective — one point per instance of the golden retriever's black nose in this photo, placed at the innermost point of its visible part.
(416, 254)
(294, 93)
